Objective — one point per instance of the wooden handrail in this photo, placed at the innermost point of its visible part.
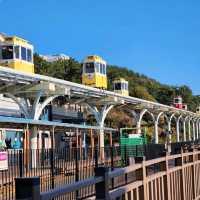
(179, 166)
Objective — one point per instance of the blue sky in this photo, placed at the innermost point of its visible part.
(160, 39)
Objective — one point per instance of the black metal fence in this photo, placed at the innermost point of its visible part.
(57, 167)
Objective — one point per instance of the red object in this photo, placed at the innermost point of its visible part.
(179, 106)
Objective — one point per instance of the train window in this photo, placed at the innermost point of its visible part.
(23, 53)
(101, 68)
(126, 86)
(117, 86)
(16, 50)
(176, 100)
(97, 67)
(29, 55)
(7, 52)
(89, 68)
(104, 69)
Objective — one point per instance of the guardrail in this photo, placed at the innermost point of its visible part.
(172, 177)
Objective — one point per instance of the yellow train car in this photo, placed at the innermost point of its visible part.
(94, 72)
(120, 86)
(16, 53)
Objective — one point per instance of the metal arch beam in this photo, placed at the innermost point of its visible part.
(36, 103)
(170, 120)
(23, 109)
(134, 114)
(156, 122)
(189, 127)
(178, 128)
(194, 120)
(173, 116)
(184, 128)
(197, 128)
(100, 116)
(39, 108)
(7, 75)
(141, 115)
(160, 114)
(187, 118)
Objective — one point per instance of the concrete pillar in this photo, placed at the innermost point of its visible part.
(138, 126)
(170, 129)
(101, 144)
(189, 130)
(156, 132)
(184, 131)
(33, 145)
(33, 137)
(177, 131)
(100, 116)
(193, 127)
(197, 130)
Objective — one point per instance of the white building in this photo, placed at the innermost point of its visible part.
(56, 57)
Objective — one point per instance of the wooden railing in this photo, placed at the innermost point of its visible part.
(172, 177)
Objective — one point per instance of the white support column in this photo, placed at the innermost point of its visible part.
(169, 129)
(156, 126)
(197, 129)
(189, 129)
(184, 131)
(193, 127)
(156, 132)
(138, 126)
(100, 116)
(177, 131)
(38, 108)
(139, 117)
(33, 145)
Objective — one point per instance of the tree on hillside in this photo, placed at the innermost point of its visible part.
(64, 69)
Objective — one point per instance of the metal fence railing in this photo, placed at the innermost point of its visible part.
(58, 167)
(177, 181)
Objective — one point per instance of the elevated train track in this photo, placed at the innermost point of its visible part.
(36, 91)
(12, 77)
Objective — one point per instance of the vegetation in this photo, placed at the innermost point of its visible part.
(140, 85)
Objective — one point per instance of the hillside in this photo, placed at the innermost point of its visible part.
(140, 85)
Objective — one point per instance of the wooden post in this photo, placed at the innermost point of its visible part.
(111, 142)
(193, 174)
(167, 178)
(144, 179)
(27, 188)
(182, 176)
(80, 144)
(102, 188)
(53, 138)
(77, 141)
(26, 145)
(92, 143)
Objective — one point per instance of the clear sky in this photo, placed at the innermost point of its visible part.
(158, 38)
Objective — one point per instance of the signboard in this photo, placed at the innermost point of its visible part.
(3, 160)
